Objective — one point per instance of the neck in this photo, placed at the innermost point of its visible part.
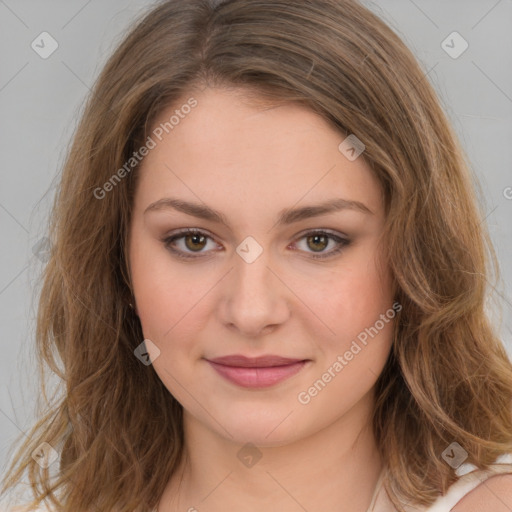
(332, 469)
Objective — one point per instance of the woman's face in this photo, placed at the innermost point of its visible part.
(275, 271)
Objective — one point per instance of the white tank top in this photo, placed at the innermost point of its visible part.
(469, 478)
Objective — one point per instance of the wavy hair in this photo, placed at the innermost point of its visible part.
(448, 377)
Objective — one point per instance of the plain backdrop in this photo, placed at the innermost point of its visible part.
(41, 98)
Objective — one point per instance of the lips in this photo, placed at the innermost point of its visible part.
(254, 362)
(256, 372)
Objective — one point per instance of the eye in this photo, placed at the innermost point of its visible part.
(195, 240)
(319, 240)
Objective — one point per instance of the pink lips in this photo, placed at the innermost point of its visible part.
(256, 372)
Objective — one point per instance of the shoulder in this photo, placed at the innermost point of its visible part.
(492, 495)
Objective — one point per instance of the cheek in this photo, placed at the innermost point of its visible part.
(173, 302)
(165, 295)
(170, 312)
(362, 316)
(351, 298)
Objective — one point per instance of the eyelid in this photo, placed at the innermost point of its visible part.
(341, 239)
(169, 239)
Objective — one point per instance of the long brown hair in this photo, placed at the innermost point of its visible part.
(448, 377)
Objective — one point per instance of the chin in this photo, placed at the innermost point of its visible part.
(261, 426)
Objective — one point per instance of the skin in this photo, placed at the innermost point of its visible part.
(493, 495)
(251, 162)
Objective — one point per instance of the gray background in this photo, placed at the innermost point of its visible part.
(41, 99)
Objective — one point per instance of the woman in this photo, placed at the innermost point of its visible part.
(268, 279)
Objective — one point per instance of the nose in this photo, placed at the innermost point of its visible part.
(254, 299)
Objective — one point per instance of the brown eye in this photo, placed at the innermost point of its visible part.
(187, 242)
(317, 242)
(190, 241)
(195, 241)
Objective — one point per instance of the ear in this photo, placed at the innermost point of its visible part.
(132, 304)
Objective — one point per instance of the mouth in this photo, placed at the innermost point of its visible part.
(256, 372)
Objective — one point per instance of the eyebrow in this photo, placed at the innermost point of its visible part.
(285, 217)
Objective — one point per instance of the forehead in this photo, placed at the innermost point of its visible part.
(233, 151)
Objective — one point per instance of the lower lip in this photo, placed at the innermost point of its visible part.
(257, 377)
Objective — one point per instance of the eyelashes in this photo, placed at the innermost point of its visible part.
(198, 237)
(187, 233)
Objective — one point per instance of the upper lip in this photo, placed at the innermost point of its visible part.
(254, 362)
